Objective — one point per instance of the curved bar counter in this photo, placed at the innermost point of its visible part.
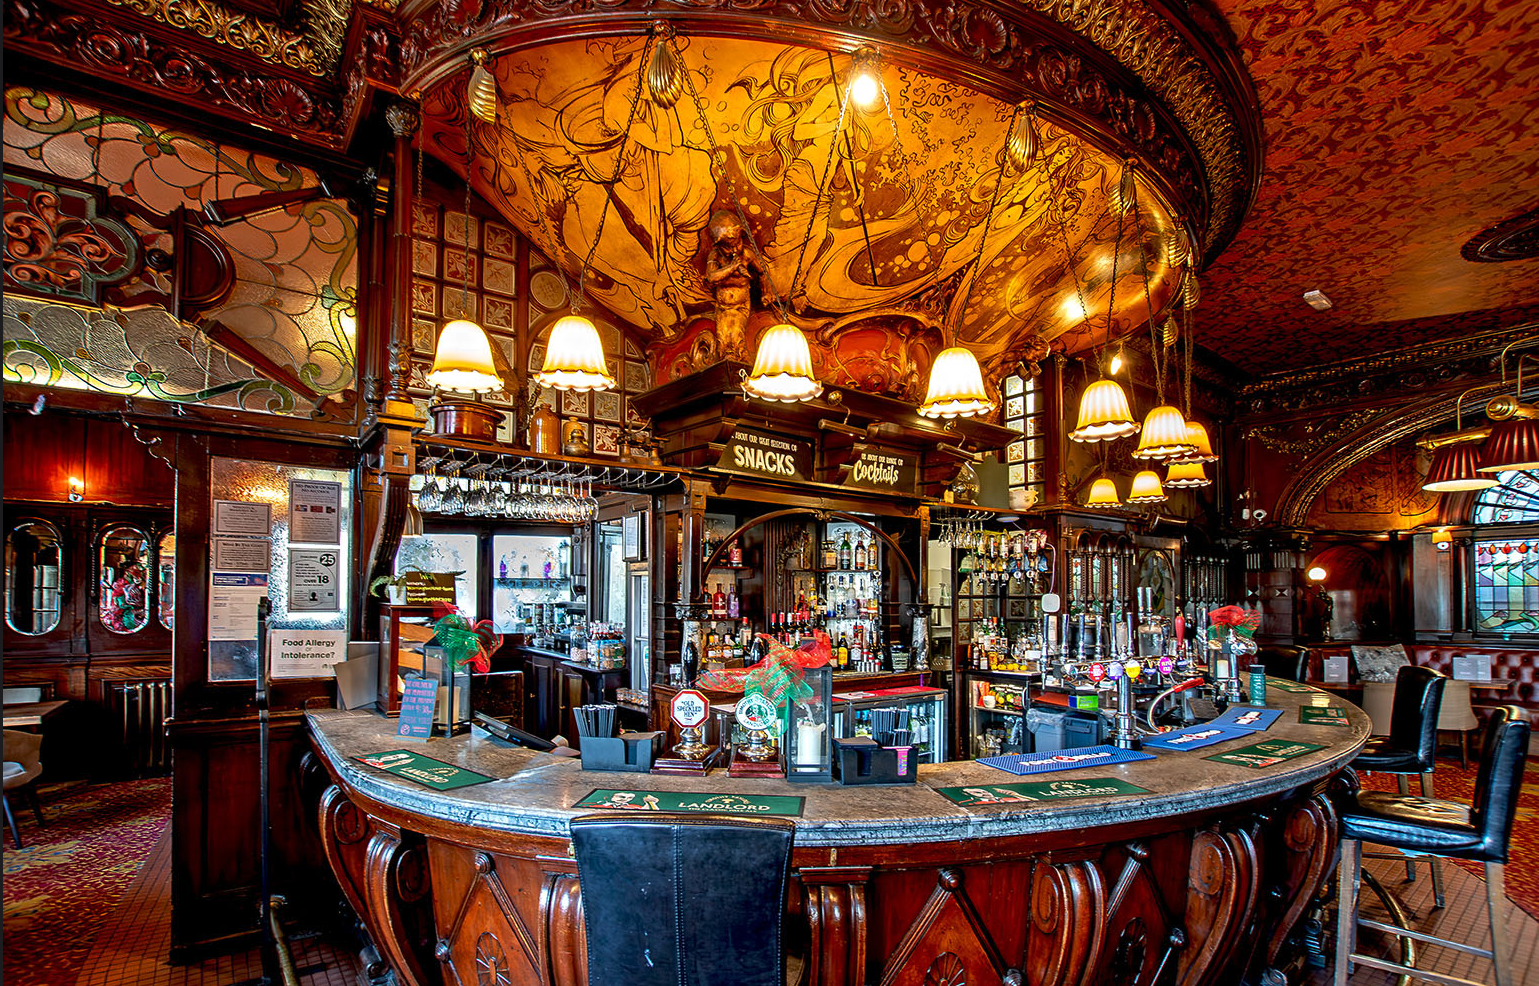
(894, 885)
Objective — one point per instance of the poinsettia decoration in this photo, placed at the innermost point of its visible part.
(466, 643)
(124, 609)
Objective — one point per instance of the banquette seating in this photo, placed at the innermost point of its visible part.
(1517, 663)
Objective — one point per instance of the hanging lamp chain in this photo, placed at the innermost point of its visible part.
(719, 159)
(1156, 351)
(1061, 220)
(641, 69)
(988, 223)
(470, 161)
(817, 201)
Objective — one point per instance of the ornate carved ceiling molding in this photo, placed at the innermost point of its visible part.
(1120, 72)
(1404, 372)
(313, 47)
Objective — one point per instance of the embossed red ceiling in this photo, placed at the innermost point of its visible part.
(1395, 131)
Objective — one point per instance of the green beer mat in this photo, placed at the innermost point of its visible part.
(1324, 715)
(692, 802)
(426, 771)
(1006, 794)
(1269, 753)
(1287, 686)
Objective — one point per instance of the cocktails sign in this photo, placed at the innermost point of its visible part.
(880, 469)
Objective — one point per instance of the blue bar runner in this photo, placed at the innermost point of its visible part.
(1248, 717)
(1196, 737)
(1043, 763)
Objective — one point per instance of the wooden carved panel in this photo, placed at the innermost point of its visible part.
(1067, 929)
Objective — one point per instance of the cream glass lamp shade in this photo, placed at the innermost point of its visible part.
(956, 386)
(1104, 413)
(1198, 436)
(1513, 444)
(1186, 475)
(1454, 470)
(574, 357)
(1146, 488)
(463, 360)
(782, 370)
(1164, 435)
(1103, 493)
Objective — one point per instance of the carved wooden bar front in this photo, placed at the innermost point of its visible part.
(482, 888)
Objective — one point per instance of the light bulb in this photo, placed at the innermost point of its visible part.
(1116, 363)
(865, 90)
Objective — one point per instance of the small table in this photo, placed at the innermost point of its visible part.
(31, 715)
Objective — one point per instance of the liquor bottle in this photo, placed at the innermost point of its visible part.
(801, 605)
(844, 651)
(860, 635)
(846, 553)
(735, 555)
(857, 650)
(502, 569)
(732, 603)
(718, 602)
(830, 554)
(774, 625)
(860, 553)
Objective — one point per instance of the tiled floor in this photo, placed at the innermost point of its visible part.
(132, 945)
(1464, 919)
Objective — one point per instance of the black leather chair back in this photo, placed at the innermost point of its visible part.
(1284, 661)
(1413, 722)
(1503, 756)
(683, 900)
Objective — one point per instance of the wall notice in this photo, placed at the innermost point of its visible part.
(313, 580)
(306, 653)
(232, 605)
(241, 555)
(242, 517)
(315, 511)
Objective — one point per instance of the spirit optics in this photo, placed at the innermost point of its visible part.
(1103, 493)
(1146, 488)
(782, 370)
(1186, 475)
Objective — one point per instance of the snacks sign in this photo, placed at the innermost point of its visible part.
(769, 456)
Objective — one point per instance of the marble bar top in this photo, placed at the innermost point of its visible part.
(533, 792)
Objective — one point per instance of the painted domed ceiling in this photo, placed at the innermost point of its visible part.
(881, 217)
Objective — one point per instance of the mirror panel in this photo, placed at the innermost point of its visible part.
(165, 589)
(123, 563)
(33, 577)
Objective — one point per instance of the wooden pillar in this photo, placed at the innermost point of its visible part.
(404, 122)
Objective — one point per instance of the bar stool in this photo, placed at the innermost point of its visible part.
(683, 900)
(1444, 828)
(1411, 746)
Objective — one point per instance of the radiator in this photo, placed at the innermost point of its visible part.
(139, 710)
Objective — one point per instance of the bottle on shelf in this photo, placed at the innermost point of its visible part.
(860, 553)
(846, 553)
(735, 554)
(830, 557)
(858, 649)
(718, 602)
(843, 651)
(733, 606)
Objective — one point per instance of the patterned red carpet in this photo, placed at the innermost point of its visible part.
(62, 884)
(1457, 783)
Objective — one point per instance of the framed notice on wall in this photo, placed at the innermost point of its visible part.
(632, 538)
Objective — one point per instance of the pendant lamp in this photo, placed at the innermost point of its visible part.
(1146, 488)
(956, 386)
(1187, 475)
(1513, 445)
(1455, 469)
(463, 360)
(1104, 413)
(782, 369)
(574, 357)
(1164, 435)
(1203, 448)
(1103, 493)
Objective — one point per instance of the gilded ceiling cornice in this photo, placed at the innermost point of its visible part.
(1119, 69)
(313, 48)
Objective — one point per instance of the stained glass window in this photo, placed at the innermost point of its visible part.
(1515, 501)
(1024, 414)
(1507, 585)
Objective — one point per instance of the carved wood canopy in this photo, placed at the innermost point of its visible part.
(903, 211)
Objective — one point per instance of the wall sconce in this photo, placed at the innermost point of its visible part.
(1443, 539)
(76, 489)
(1315, 573)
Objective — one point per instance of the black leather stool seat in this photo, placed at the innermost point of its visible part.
(1408, 822)
(1382, 754)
